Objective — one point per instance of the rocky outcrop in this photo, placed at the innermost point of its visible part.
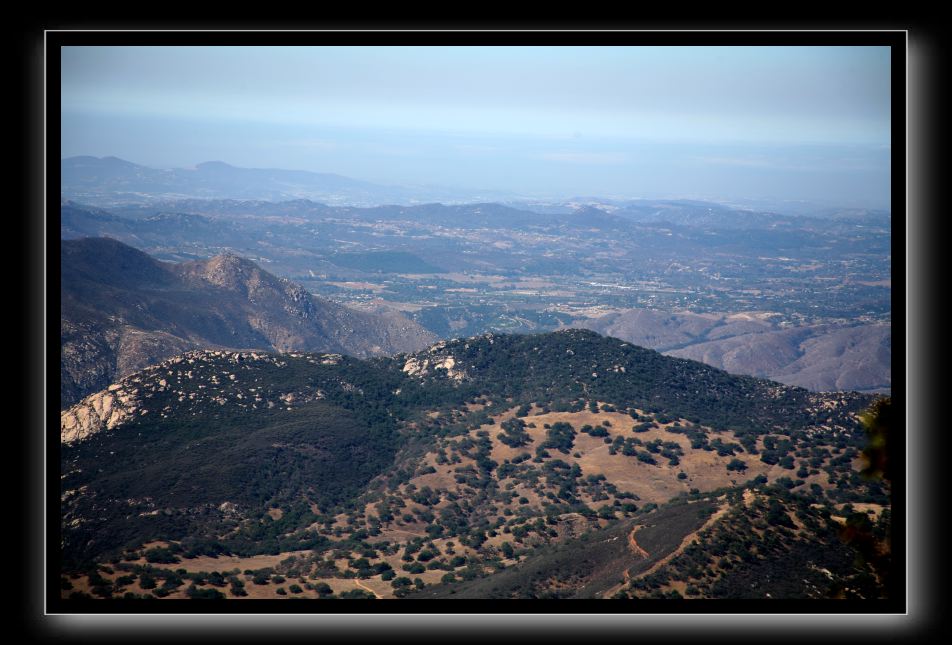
(100, 411)
(424, 366)
(189, 384)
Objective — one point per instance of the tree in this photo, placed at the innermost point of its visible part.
(161, 555)
(877, 421)
(514, 433)
(872, 543)
(237, 586)
(561, 436)
(360, 594)
(204, 594)
(737, 464)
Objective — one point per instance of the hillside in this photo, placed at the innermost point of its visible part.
(754, 542)
(819, 357)
(391, 473)
(123, 310)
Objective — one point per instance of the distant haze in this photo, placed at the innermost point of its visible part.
(785, 123)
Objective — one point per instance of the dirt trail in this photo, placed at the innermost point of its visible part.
(688, 539)
(634, 545)
(366, 588)
(638, 550)
(626, 574)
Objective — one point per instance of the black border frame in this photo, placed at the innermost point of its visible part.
(894, 38)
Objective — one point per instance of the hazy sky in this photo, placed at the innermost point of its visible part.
(809, 123)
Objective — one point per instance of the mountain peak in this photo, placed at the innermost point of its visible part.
(214, 165)
(228, 271)
(117, 161)
(124, 309)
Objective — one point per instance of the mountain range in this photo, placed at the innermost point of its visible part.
(122, 310)
(109, 180)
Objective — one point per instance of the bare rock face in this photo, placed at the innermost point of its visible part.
(100, 411)
(422, 366)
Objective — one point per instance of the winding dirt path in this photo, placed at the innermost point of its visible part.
(688, 539)
(637, 549)
(634, 546)
(366, 588)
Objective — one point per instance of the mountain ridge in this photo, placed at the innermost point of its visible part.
(819, 357)
(123, 309)
(260, 453)
(110, 180)
(470, 365)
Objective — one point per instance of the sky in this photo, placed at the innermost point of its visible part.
(786, 123)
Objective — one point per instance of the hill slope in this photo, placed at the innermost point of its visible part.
(454, 444)
(754, 542)
(817, 357)
(122, 310)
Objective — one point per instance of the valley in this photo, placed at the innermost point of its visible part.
(725, 286)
